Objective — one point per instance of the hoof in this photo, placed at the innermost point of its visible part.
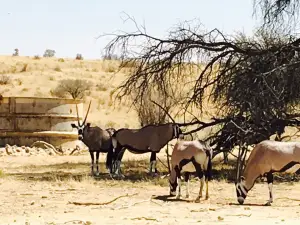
(187, 196)
(207, 197)
(268, 204)
(177, 197)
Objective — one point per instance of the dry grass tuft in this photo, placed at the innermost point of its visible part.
(5, 79)
(57, 69)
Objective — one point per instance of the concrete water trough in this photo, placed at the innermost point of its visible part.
(24, 120)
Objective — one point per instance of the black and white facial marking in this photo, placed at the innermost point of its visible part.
(80, 129)
(177, 131)
(241, 191)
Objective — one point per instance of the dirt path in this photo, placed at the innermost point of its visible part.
(29, 198)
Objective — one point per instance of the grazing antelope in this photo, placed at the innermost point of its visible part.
(97, 140)
(266, 158)
(150, 138)
(189, 157)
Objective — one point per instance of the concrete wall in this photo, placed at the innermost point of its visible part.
(24, 120)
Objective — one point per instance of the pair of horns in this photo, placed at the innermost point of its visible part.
(85, 115)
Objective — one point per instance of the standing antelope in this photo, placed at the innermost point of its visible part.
(97, 140)
(189, 157)
(150, 138)
(266, 158)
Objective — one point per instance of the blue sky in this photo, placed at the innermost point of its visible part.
(71, 26)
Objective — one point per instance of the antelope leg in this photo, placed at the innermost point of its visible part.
(270, 185)
(179, 188)
(187, 182)
(92, 162)
(97, 162)
(206, 195)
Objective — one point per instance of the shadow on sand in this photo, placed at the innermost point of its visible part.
(168, 198)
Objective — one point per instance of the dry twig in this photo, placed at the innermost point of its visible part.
(102, 203)
(145, 218)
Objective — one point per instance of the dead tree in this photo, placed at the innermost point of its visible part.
(255, 84)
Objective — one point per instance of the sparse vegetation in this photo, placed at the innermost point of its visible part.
(52, 78)
(101, 87)
(110, 124)
(49, 53)
(19, 81)
(4, 79)
(16, 52)
(79, 57)
(1, 173)
(57, 68)
(24, 68)
(76, 88)
(101, 102)
(24, 90)
(36, 57)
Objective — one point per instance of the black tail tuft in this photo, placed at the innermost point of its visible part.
(110, 159)
(209, 165)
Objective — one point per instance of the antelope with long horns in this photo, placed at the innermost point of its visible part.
(150, 138)
(97, 140)
(266, 158)
(190, 157)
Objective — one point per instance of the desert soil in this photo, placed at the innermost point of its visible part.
(40, 189)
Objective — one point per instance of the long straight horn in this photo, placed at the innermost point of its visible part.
(77, 115)
(87, 112)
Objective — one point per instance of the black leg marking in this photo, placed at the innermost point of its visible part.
(288, 166)
(197, 166)
(92, 162)
(97, 161)
(120, 152)
(186, 176)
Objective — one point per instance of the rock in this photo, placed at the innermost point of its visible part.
(8, 149)
(27, 149)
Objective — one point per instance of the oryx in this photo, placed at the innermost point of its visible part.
(189, 157)
(266, 158)
(97, 140)
(150, 138)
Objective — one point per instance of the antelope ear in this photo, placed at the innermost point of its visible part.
(73, 125)
(88, 124)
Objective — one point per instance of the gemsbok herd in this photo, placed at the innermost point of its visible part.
(187, 157)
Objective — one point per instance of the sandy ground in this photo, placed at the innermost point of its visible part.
(38, 190)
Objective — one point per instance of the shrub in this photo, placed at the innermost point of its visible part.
(19, 81)
(57, 69)
(36, 57)
(101, 87)
(61, 60)
(79, 57)
(49, 53)
(24, 69)
(16, 52)
(4, 79)
(76, 88)
(110, 124)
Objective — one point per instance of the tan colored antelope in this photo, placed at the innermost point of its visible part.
(189, 157)
(266, 158)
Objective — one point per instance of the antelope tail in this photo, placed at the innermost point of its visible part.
(110, 159)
